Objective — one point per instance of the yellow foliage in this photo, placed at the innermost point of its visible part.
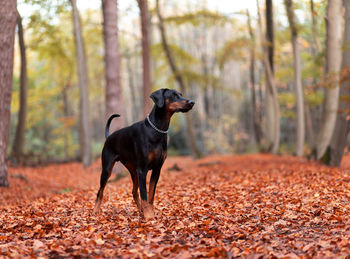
(304, 42)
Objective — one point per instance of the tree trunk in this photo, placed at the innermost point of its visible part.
(85, 148)
(270, 43)
(339, 139)
(19, 141)
(297, 79)
(8, 16)
(270, 36)
(66, 115)
(333, 62)
(256, 120)
(272, 89)
(112, 61)
(309, 128)
(134, 114)
(315, 49)
(203, 117)
(146, 62)
(179, 79)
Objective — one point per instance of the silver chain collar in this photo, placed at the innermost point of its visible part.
(154, 127)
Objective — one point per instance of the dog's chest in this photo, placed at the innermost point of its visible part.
(156, 156)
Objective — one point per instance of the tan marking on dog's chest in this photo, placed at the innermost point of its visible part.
(156, 154)
(151, 156)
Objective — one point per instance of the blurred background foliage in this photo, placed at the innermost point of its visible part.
(211, 49)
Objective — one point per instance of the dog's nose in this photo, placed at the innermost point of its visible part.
(191, 102)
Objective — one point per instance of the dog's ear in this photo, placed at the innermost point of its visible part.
(158, 97)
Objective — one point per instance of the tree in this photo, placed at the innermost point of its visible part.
(19, 141)
(85, 148)
(256, 117)
(270, 35)
(271, 86)
(270, 47)
(8, 17)
(339, 139)
(333, 63)
(179, 79)
(112, 61)
(297, 79)
(315, 50)
(145, 55)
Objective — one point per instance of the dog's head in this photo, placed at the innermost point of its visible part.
(171, 100)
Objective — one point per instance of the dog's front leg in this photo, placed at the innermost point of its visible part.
(145, 206)
(153, 184)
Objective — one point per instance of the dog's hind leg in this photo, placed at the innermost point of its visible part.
(108, 161)
(135, 190)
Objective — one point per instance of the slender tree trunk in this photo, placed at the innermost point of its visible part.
(19, 141)
(297, 79)
(339, 139)
(85, 136)
(146, 62)
(272, 89)
(200, 106)
(333, 63)
(179, 79)
(270, 46)
(310, 134)
(270, 35)
(66, 115)
(8, 16)
(112, 62)
(205, 72)
(129, 67)
(256, 120)
(315, 49)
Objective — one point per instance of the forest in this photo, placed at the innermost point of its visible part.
(258, 167)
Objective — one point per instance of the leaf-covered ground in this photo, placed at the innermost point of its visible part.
(219, 206)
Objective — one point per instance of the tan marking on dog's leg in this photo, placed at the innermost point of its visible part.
(97, 208)
(135, 194)
(151, 192)
(103, 183)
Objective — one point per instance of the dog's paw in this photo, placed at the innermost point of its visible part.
(147, 210)
(97, 210)
(148, 214)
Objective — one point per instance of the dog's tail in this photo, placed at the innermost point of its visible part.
(109, 123)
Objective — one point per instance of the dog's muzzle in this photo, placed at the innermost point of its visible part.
(188, 106)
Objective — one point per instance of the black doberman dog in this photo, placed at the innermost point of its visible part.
(142, 147)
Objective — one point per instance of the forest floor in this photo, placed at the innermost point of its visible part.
(218, 206)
